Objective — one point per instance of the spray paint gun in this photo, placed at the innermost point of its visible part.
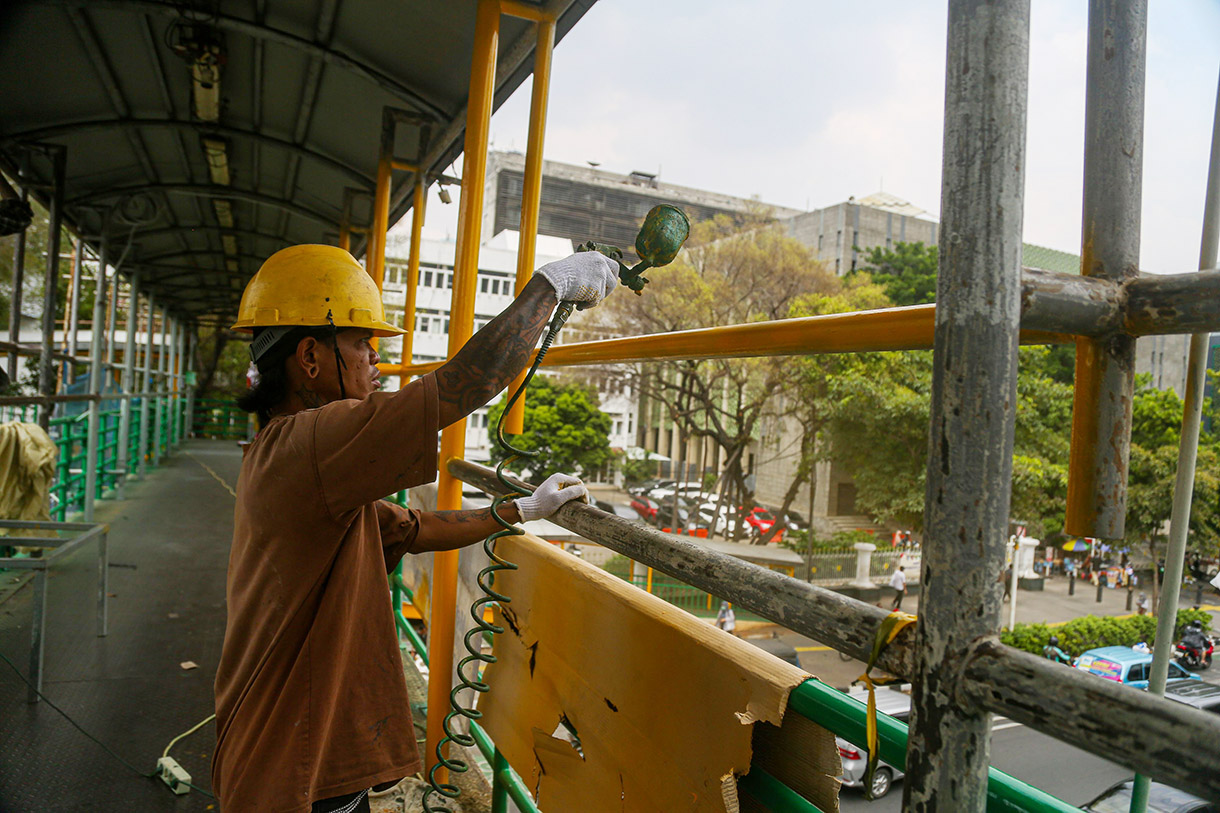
(664, 231)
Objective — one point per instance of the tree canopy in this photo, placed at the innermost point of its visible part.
(907, 272)
(562, 423)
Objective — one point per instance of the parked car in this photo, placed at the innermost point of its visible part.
(1161, 798)
(1203, 696)
(797, 521)
(760, 519)
(662, 493)
(1124, 665)
(895, 703)
(648, 485)
(646, 508)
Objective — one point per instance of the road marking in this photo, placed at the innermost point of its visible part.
(1009, 724)
(814, 649)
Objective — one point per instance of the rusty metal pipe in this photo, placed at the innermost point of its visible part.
(1161, 738)
(1173, 303)
(1110, 247)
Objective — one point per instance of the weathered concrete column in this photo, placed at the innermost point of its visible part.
(46, 362)
(129, 378)
(171, 388)
(190, 390)
(147, 388)
(159, 387)
(14, 320)
(93, 460)
(1110, 250)
(864, 564)
(78, 257)
(974, 396)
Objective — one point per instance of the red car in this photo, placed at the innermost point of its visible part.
(646, 508)
(760, 519)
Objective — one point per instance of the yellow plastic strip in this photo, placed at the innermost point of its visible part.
(893, 624)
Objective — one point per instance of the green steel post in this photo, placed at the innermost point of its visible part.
(512, 782)
(499, 782)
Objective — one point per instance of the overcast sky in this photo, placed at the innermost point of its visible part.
(804, 103)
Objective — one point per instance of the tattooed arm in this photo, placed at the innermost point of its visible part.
(448, 530)
(489, 361)
(405, 530)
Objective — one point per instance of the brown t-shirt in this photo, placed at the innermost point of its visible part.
(310, 697)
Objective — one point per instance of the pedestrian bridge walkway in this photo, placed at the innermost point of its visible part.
(169, 546)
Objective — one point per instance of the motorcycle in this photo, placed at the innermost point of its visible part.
(1194, 655)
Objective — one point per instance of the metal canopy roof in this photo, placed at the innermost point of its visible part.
(211, 133)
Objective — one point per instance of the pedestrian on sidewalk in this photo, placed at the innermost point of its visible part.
(312, 709)
(899, 582)
(726, 619)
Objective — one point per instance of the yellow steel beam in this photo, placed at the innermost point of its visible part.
(405, 166)
(461, 325)
(375, 257)
(531, 196)
(909, 328)
(417, 230)
(526, 11)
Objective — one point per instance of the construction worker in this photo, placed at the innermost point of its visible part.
(311, 704)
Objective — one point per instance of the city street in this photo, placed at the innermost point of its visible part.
(1074, 775)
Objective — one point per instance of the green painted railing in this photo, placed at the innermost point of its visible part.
(220, 420)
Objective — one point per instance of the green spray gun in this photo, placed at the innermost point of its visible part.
(664, 231)
(660, 239)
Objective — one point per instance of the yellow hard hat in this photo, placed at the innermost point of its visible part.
(310, 286)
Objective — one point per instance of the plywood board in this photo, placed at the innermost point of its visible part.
(662, 705)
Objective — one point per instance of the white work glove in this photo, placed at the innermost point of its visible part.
(586, 278)
(553, 493)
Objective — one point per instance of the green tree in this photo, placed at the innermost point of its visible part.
(1156, 417)
(562, 423)
(733, 270)
(877, 407)
(907, 272)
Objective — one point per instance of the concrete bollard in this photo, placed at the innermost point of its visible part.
(1072, 583)
(864, 564)
(1100, 588)
(1130, 597)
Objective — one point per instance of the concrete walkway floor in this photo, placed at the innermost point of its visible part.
(169, 548)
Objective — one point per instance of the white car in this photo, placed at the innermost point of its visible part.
(685, 489)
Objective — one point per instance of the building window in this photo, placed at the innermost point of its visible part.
(448, 281)
(820, 236)
(837, 261)
(483, 284)
(839, 239)
(427, 279)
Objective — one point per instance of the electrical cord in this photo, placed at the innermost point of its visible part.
(104, 747)
(187, 733)
(486, 579)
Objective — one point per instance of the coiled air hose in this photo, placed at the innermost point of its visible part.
(468, 669)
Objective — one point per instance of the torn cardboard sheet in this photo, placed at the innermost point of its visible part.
(607, 698)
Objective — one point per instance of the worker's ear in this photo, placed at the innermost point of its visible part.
(307, 357)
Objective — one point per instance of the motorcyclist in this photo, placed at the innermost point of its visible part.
(1052, 651)
(1193, 637)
